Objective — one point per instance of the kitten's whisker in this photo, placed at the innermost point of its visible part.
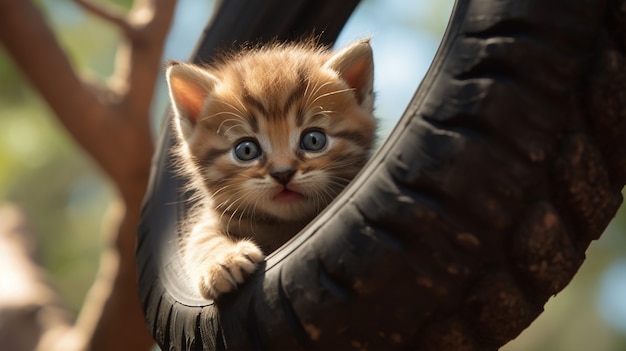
(347, 163)
(230, 185)
(234, 212)
(243, 106)
(228, 113)
(225, 187)
(253, 206)
(239, 125)
(325, 112)
(316, 89)
(306, 89)
(232, 215)
(250, 203)
(236, 122)
(228, 204)
(324, 117)
(242, 112)
(233, 202)
(331, 93)
(236, 202)
(254, 212)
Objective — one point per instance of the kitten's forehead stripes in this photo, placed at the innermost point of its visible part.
(300, 117)
(274, 110)
(298, 91)
(295, 95)
(254, 123)
(356, 137)
(258, 105)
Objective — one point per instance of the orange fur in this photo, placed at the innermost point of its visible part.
(278, 133)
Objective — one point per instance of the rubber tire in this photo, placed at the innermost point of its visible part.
(507, 163)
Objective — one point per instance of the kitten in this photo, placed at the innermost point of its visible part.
(269, 137)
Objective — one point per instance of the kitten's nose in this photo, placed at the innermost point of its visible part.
(283, 175)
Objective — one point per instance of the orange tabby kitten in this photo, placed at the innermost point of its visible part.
(268, 137)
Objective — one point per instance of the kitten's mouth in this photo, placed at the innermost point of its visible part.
(287, 195)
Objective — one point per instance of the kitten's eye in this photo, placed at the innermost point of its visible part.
(247, 150)
(313, 141)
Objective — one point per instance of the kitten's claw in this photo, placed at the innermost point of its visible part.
(230, 269)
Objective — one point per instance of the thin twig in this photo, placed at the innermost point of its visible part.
(110, 15)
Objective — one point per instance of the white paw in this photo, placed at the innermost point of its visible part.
(230, 269)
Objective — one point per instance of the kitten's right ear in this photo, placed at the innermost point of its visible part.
(355, 65)
(189, 88)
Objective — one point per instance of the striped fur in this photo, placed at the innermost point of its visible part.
(272, 97)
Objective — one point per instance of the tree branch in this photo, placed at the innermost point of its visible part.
(119, 111)
(136, 65)
(111, 123)
(27, 44)
(107, 14)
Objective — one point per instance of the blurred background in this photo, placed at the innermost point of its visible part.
(67, 198)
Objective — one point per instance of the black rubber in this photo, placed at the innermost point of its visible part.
(508, 162)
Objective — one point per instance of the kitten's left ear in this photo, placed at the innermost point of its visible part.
(189, 88)
(355, 64)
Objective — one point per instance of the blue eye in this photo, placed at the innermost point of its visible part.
(247, 150)
(313, 140)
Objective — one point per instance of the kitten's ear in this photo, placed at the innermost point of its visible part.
(355, 64)
(189, 87)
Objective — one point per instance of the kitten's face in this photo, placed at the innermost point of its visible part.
(280, 134)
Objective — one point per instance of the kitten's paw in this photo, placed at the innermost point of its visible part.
(230, 269)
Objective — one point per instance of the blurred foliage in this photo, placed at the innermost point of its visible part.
(67, 197)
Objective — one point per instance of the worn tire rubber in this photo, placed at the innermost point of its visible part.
(507, 163)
